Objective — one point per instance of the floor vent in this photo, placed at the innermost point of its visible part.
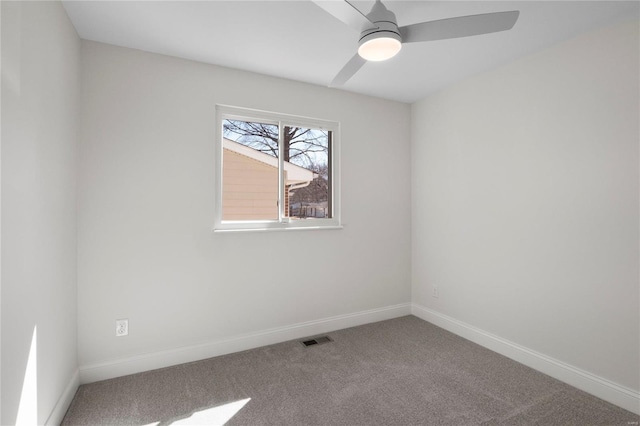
(317, 341)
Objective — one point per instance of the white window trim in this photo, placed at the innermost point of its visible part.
(283, 224)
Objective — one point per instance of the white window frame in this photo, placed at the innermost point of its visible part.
(224, 112)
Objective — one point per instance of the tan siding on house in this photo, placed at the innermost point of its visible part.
(250, 188)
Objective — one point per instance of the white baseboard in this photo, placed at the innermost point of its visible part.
(56, 416)
(621, 396)
(155, 360)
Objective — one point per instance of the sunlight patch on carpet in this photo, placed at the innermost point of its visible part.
(214, 416)
(211, 416)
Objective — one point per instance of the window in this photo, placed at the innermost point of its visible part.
(275, 171)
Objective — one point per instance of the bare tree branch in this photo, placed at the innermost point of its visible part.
(308, 148)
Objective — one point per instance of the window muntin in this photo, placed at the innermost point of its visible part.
(276, 171)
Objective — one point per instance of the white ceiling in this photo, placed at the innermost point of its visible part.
(300, 41)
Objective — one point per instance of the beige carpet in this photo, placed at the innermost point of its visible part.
(403, 371)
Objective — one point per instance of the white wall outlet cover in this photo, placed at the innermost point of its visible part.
(122, 327)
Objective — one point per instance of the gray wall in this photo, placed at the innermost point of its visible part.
(146, 248)
(525, 203)
(40, 60)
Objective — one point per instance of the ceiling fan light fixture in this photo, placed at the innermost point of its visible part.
(380, 46)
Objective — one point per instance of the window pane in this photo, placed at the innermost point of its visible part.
(307, 173)
(249, 171)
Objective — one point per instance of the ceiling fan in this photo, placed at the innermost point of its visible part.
(381, 38)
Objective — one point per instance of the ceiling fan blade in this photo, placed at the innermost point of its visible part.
(347, 13)
(462, 26)
(348, 71)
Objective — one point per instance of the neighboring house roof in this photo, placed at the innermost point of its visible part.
(295, 174)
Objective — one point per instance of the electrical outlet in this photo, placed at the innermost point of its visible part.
(122, 327)
(435, 292)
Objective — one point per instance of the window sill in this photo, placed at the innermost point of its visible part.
(273, 229)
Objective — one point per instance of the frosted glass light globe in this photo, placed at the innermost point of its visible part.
(379, 48)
